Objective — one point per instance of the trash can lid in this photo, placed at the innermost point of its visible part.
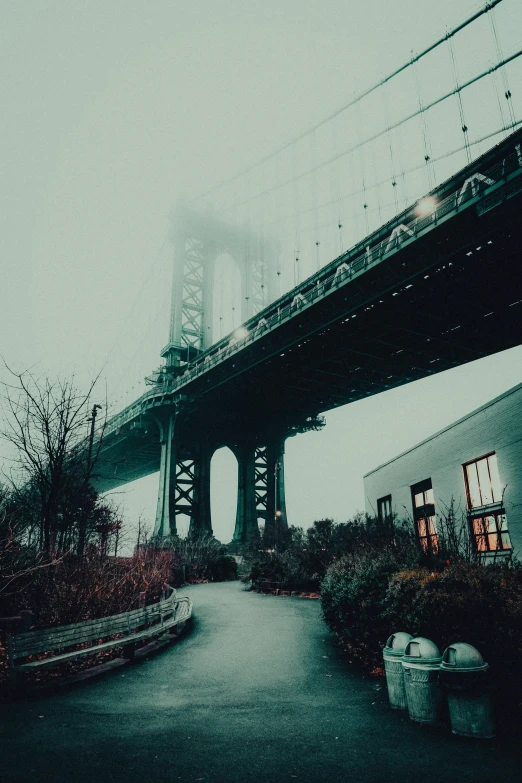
(462, 657)
(397, 642)
(421, 650)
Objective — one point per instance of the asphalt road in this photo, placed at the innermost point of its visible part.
(256, 691)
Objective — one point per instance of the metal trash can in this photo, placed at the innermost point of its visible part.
(392, 655)
(463, 677)
(421, 664)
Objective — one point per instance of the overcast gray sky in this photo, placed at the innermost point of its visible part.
(112, 110)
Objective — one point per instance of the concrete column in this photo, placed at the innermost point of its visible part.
(246, 516)
(165, 524)
(200, 520)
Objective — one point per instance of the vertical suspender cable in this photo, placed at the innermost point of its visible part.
(464, 127)
(315, 199)
(295, 195)
(425, 135)
(390, 144)
(262, 241)
(502, 75)
(363, 172)
(337, 180)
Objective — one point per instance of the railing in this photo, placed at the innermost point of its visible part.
(120, 630)
(402, 231)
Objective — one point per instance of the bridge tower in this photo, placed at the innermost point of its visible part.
(199, 238)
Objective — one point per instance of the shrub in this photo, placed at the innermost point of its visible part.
(301, 559)
(353, 601)
(196, 558)
(473, 603)
(367, 596)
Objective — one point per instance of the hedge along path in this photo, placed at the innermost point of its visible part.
(126, 630)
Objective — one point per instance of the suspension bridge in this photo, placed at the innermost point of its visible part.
(378, 247)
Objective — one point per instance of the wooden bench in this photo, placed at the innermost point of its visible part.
(170, 614)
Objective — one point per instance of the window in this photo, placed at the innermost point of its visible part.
(490, 532)
(484, 492)
(384, 508)
(483, 482)
(424, 516)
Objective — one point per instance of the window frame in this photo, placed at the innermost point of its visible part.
(381, 502)
(424, 515)
(501, 532)
(480, 513)
(469, 500)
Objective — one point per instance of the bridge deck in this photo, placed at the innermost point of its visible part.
(426, 294)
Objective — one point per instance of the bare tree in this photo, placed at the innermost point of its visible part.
(54, 454)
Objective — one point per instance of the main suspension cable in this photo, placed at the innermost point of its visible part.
(397, 124)
(359, 97)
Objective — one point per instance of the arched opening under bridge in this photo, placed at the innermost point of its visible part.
(223, 494)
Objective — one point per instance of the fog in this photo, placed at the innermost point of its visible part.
(114, 111)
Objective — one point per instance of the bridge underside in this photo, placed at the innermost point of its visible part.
(451, 297)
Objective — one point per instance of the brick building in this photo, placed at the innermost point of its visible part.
(477, 461)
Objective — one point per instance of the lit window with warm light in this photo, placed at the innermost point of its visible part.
(484, 492)
(424, 516)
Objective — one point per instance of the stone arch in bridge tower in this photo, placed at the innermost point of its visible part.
(198, 239)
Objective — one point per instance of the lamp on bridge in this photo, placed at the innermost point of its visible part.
(239, 334)
(426, 206)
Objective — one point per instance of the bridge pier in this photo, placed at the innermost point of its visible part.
(184, 483)
(200, 514)
(246, 528)
(261, 491)
(276, 523)
(165, 524)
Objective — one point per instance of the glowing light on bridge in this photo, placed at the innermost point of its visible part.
(426, 206)
(239, 334)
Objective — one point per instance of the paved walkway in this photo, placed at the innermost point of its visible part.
(255, 692)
